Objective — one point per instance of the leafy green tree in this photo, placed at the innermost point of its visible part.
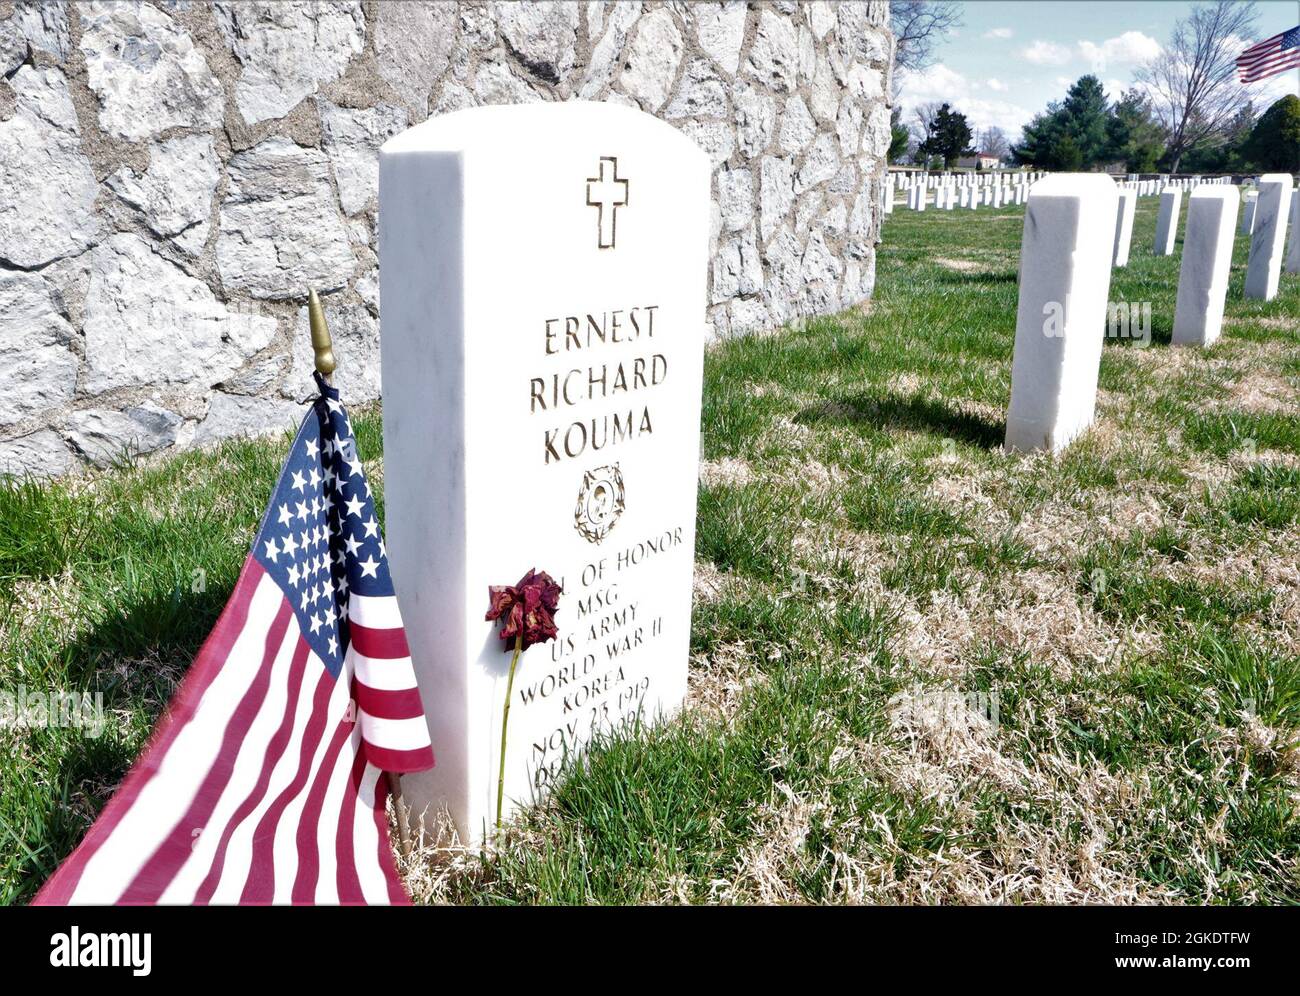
(899, 135)
(1274, 144)
(948, 136)
(1222, 152)
(1133, 135)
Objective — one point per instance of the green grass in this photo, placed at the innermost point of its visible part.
(1127, 613)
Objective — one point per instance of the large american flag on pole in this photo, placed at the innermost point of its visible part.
(1270, 57)
(264, 781)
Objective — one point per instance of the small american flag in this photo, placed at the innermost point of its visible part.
(263, 783)
(1270, 57)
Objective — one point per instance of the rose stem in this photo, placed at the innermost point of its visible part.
(505, 719)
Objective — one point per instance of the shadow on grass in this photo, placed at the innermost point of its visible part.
(912, 413)
(965, 278)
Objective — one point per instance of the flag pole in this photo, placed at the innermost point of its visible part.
(323, 346)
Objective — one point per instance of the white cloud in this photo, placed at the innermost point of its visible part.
(1045, 53)
(993, 83)
(936, 82)
(1129, 48)
(998, 33)
(939, 83)
(1115, 88)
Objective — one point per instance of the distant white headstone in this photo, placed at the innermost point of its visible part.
(1293, 253)
(1207, 258)
(1124, 210)
(543, 286)
(1268, 236)
(1248, 214)
(1065, 262)
(1171, 202)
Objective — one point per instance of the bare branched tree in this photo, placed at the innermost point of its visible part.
(993, 142)
(923, 116)
(1192, 82)
(918, 26)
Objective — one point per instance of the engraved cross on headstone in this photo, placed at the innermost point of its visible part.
(607, 193)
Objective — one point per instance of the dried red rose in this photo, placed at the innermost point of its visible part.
(527, 607)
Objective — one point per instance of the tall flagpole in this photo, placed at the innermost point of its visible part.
(323, 347)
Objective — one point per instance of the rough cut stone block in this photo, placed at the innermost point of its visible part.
(104, 436)
(146, 71)
(1065, 256)
(720, 28)
(38, 370)
(47, 188)
(541, 34)
(1268, 236)
(232, 415)
(1207, 258)
(148, 322)
(280, 231)
(413, 44)
(42, 454)
(175, 192)
(287, 50)
(351, 138)
(652, 59)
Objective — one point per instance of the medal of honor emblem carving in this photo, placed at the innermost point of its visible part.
(600, 502)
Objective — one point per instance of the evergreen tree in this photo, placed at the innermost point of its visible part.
(1133, 136)
(1037, 139)
(1081, 118)
(1067, 154)
(1084, 119)
(948, 136)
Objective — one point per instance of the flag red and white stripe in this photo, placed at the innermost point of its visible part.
(263, 782)
(1270, 57)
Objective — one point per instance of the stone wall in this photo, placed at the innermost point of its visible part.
(174, 175)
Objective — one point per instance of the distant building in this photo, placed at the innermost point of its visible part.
(980, 160)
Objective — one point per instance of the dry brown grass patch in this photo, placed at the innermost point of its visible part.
(728, 471)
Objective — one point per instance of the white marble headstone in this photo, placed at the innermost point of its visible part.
(543, 285)
(1065, 262)
(1207, 259)
(1171, 202)
(1248, 212)
(1268, 236)
(1293, 251)
(1124, 211)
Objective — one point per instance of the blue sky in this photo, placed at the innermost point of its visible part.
(1007, 60)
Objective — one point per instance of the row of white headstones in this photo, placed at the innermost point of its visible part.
(964, 190)
(1077, 228)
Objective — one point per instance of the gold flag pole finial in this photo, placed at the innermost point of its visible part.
(321, 343)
